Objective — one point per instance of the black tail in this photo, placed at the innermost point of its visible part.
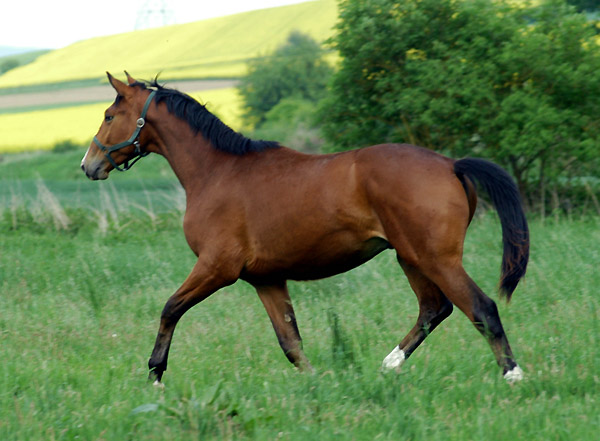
(504, 194)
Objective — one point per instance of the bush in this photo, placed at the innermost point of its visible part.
(296, 69)
(292, 123)
(66, 145)
(8, 64)
(514, 84)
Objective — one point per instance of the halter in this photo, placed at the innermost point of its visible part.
(133, 140)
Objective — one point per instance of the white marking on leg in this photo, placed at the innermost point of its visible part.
(158, 384)
(394, 360)
(515, 374)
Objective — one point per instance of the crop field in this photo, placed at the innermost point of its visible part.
(85, 269)
(214, 48)
(44, 128)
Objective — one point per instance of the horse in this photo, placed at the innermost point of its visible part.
(265, 214)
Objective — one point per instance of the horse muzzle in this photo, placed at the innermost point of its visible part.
(95, 170)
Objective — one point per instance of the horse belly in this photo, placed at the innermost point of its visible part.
(316, 262)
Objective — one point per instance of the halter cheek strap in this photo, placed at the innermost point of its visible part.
(133, 140)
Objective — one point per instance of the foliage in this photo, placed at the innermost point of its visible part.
(13, 61)
(515, 84)
(66, 146)
(8, 64)
(292, 122)
(585, 5)
(296, 69)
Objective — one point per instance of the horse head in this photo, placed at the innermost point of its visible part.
(120, 138)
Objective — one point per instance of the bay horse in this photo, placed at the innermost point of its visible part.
(266, 214)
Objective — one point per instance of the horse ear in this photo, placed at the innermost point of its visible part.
(130, 79)
(119, 86)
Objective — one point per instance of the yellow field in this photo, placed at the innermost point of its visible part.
(42, 129)
(212, 48)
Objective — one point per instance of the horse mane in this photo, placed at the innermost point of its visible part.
(221, 136)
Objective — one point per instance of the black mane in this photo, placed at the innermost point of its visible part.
(221, 136)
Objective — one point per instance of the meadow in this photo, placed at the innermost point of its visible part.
(85, 269)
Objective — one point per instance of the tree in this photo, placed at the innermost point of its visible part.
(296, 69)
(518, 85)
(8, 64)
(585, 5)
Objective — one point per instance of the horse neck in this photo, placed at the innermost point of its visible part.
(190, 155)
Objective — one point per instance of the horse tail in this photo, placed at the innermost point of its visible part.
(505, 197)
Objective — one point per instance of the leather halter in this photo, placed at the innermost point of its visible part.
(133, 140)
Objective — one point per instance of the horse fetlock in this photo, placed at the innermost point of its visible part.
(157, 384)
(394, 360)
(305, 366)
(514, 375)
(155, 375)
(157, 368)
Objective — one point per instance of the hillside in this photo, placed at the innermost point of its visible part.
(214, 48)
(11, 51)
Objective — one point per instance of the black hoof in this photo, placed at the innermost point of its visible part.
(155, 375)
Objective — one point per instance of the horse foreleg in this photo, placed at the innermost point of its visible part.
(434, 307)
(278, 304)
(200, 284)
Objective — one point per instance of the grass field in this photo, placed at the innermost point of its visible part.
(85, 268)
(42, 129)
(215, 48)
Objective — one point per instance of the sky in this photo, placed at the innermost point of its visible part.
(52, 24)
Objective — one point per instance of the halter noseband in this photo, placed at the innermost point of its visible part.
(133, 140)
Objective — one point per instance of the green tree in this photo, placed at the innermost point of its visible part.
(518, 85)
(585, 5)
(295, 70)
(8, 64)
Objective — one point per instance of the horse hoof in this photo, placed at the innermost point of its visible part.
(157, 384)
(394, 360)
(514, 375)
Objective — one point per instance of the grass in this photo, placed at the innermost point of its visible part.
(215, 48)
(44, 128)
(80, 307)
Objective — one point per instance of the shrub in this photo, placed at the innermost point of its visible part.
(296, 69)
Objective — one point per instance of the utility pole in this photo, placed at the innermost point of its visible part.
(154, 14)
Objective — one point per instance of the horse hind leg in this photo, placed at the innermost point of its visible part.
(434, 307)
(463, 292)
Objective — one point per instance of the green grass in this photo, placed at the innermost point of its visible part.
(80, 307)
(215, 48)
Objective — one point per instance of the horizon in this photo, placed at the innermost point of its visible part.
(22, 31)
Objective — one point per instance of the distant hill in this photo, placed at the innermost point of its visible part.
(18, 58)
(214, 48)
(12, 50)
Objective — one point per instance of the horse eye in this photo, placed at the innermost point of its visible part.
(108, 118)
